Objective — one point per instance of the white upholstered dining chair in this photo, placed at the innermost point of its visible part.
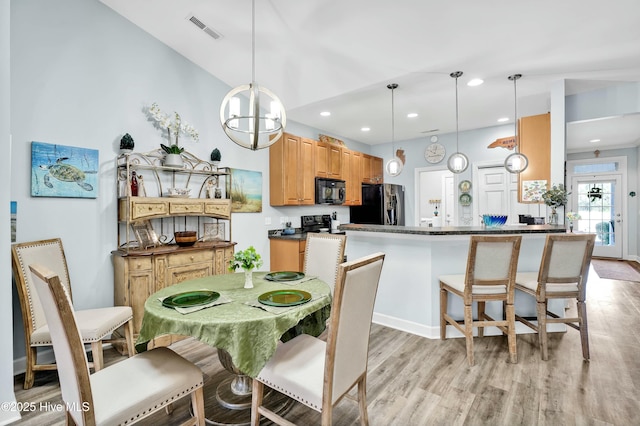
(123, 393)
(490, 275)
(563, 274)
(317, 373)
(95, 325)
(323, 253)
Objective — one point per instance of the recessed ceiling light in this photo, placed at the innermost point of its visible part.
(412, 115)
(594, 140)
(503, 119)
(325, 113)
(365, 129)
(475, 82)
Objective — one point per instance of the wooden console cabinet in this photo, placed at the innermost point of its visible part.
(137, 274)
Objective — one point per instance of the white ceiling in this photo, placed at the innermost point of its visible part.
(339, 56)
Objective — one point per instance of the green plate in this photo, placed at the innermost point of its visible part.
(189, 299)
(284, 298)
(284, 276)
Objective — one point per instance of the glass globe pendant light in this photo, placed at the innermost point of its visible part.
(516, 162)
(395, 165)
(457, 162)
(243, 119)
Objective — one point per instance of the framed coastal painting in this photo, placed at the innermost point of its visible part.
(245, 191)
(63, 171)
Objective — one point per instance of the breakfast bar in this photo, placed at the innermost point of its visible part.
(408, 294)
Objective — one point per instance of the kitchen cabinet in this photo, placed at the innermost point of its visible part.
(372, 171)
(145, 260)
(287, 254)
(328, 160)
(534, 133)
(291, 171)
(352, 172)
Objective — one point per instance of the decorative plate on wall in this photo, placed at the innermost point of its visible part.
(465, 186)
(465, 199)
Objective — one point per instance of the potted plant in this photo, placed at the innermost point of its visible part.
(173, 157)
(248, 260)
(126, 143)
(555, 197)
(216, 156)
(177, 126)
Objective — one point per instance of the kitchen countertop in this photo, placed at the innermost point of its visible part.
(299, 235)
(455, 230)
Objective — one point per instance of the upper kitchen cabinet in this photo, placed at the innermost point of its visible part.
(535, 142)
(291, 171)
(352, 174)
(372, 170)
(328, 160)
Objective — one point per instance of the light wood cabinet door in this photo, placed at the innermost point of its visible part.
(291, 171)
(287, 255)
(352, 174)
(377, 170)
(534, 136)
(321, 152)
(335, 162)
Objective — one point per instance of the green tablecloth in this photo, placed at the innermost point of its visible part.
(249, 334)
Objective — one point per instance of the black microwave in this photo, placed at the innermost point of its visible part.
(330, 191)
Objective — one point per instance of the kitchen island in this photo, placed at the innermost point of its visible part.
(409, 293)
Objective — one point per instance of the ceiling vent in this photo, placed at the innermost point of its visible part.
(210, 31)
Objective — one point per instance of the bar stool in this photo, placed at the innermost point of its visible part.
(563, 274)
(490, 276)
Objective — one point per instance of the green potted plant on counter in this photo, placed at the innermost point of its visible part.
(555, 197)
(248, 260)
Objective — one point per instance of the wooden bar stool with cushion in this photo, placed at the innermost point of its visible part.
(123, 393)
(563, 274)
(492, 262)
(323, 253)
(317, 373)
(95, 324)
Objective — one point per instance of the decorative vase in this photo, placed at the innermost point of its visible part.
(553, 219)
(248, 278)
(571, 226)
(174, 160)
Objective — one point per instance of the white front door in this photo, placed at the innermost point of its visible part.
(599, 204)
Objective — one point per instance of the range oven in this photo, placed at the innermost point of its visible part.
(330, 191)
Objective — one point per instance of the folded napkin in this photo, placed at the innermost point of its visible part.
(280, 309)
(219, 301)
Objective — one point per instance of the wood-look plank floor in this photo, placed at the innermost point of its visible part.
(418, 381)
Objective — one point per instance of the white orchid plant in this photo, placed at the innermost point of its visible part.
(177, 126)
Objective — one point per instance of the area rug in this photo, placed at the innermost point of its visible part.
(615, 270)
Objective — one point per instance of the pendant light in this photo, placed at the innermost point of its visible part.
(516, 162)
(394, 166)
(249, 125)
(457, 162)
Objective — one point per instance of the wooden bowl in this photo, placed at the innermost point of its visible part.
(185, 238)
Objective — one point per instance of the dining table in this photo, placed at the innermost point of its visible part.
(245, 325)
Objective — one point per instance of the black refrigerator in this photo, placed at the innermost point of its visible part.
(382, 204)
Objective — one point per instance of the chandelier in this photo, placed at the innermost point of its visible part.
(252, 116)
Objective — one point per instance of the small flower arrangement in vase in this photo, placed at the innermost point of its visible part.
(572, 216)
(555, 197)
(248, 260)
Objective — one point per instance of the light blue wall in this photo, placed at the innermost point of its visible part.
(618, 99)
(81, 76)
(473, 143)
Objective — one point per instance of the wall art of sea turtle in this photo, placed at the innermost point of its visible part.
(66, 173)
